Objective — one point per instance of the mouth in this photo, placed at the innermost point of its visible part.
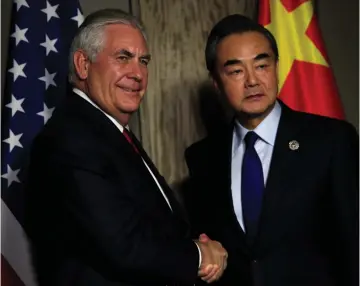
(130, 90)
(254, 97)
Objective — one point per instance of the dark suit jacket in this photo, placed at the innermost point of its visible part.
(95, 215)
(308, 230)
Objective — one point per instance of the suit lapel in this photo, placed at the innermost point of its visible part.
(283, 165)
(117, 141)
(178, 210)
(101, 125)
(224, 157)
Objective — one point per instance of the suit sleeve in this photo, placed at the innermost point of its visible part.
(194, 201)
(345, 188)
(103, 223)
(195, 196)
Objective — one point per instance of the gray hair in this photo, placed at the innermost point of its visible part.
(90, 36)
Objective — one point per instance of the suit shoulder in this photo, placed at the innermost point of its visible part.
(199, 148)
(198, 156)
(68, 134)
(327, 125)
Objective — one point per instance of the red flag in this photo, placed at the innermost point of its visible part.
(306, 82)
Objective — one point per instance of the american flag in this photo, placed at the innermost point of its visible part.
(36, 81)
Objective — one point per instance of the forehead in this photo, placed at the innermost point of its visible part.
(244, 45)
(122, 36)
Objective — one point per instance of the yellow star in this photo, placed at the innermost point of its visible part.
(289, 30)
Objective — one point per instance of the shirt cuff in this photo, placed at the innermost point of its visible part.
(200, 257)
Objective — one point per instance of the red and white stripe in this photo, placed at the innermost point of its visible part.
(16, 269)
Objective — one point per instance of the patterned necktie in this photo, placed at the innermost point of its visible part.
(252, 185)
(128, 137)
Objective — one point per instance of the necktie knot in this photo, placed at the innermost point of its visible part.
(250, 139)
(127, 135)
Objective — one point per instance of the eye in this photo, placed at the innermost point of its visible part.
(262, 66)
(122, 58)
(144, 62)
(235, 72)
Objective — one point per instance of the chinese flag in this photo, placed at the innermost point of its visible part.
(306, 82)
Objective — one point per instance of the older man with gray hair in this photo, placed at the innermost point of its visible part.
(98, 211)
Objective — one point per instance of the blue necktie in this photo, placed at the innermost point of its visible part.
(252, 185)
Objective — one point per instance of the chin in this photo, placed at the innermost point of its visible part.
(129, 108)
(256, 112)
(253, 110)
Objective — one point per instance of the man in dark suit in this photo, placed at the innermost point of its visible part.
(98, 211)
(278, 188)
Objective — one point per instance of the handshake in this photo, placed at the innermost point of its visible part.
(214, 259)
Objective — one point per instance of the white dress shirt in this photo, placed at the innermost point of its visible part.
(264, 147)
(121, 128)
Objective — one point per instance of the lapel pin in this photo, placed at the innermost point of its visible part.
(294, 145)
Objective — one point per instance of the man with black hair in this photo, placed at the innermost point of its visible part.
(278, 188)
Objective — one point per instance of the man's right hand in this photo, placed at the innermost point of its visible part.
(214, 259)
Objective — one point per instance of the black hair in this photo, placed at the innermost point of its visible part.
(234, 24)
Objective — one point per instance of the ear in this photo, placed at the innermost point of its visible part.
(81, 63)
(215, 83)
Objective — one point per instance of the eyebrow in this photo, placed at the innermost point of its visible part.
(237, 61)
(132, 55)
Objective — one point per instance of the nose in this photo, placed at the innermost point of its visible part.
(136, 72)
(251, 78)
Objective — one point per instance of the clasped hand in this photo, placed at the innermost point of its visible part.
(214, 259)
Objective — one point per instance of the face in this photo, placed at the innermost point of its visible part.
(117, 79)
(246, 72)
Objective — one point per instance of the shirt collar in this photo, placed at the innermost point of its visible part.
(84, 96)
(266, 130)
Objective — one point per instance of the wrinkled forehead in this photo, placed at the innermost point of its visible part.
(124, 36)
